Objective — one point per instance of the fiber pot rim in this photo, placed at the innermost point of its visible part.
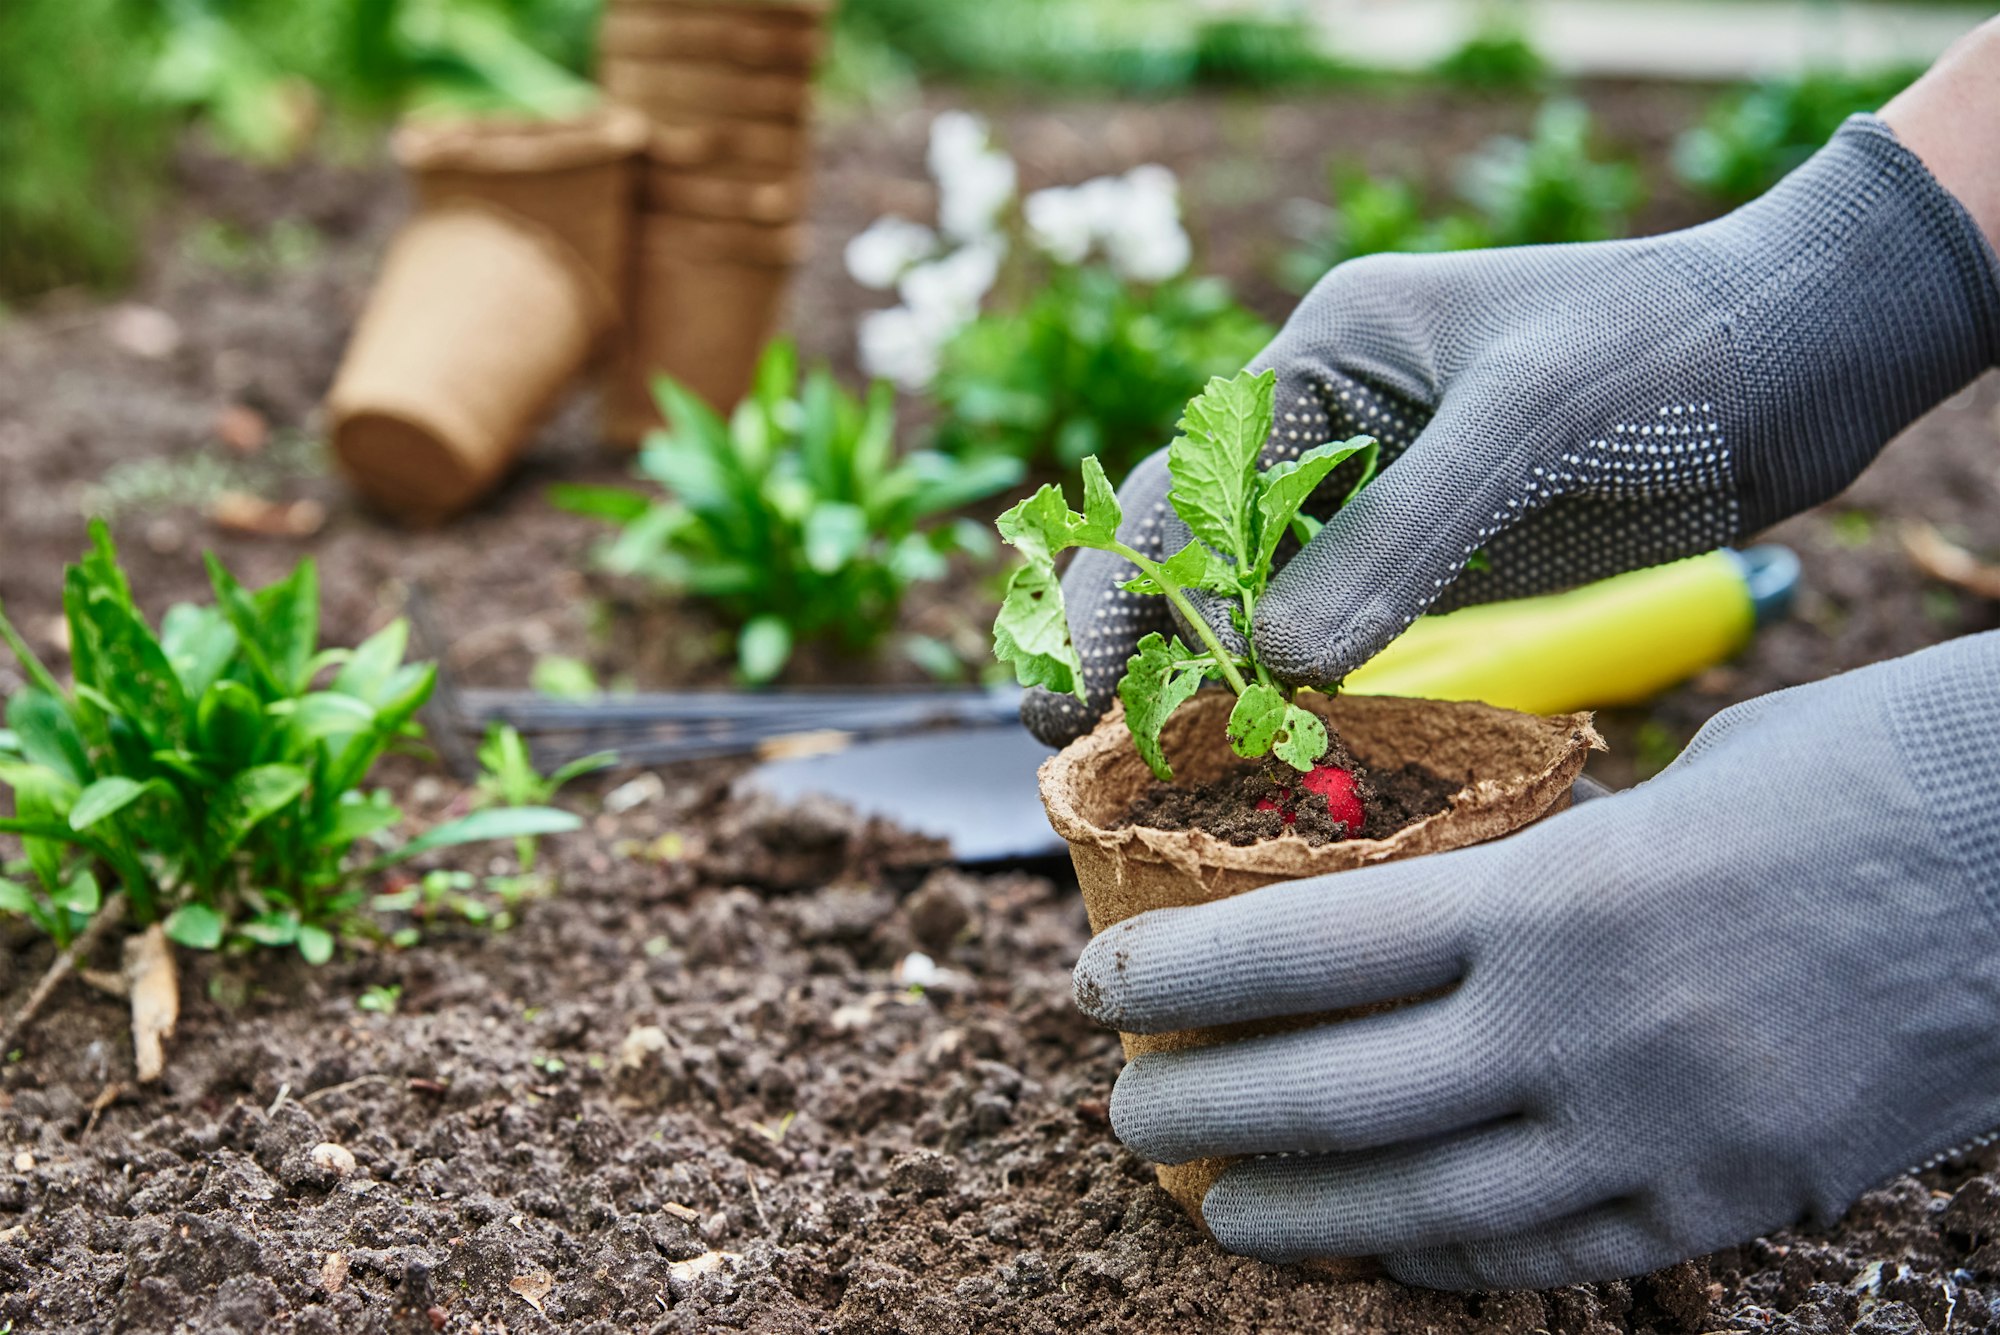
(522, 145)
(1066, 780)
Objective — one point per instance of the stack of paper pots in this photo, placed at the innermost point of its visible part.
(727, 87)
(498, 292)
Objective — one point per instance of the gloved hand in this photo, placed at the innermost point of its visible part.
(1577, 411)
(1725, 1000)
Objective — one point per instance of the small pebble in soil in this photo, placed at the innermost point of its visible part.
(335, 1159)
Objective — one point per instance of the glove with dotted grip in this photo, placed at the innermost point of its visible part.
(1663, 1022)
(1576, 411)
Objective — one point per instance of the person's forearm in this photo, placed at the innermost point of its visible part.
(1950, 118)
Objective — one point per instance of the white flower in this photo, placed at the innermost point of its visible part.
(1152, 253)
(1059, 223)
(878, 256)
(901, 345)
(957, 137)
(975, 182)
(949, 290)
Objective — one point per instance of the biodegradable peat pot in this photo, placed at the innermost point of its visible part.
(1517, 769)
(671, 89)
(699, 195)
(575, 177)
(758, 150)
(477, 321)
(752, 36)
(707, 298)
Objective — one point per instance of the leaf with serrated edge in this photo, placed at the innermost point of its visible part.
(1283, 488)
(1214, 460)
(1043, 524)
(1032, 631)
(1158, 680)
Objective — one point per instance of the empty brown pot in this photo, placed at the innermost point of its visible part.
(575, 177)
(477, 321)
(733, 35)
(1517, 768)
(678, 89)
(707, 298)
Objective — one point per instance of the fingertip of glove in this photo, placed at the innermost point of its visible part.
(1303, 650)
(1055, 720)
(1094, 983)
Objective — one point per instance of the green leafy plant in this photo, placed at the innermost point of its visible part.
(1496, 56)
(508, 777)
(1371, 215)
(1549, 187)
(1751, 138)
(796, 519)
(206, 769)
(380, 999)
(1091, 363)
(1542, 190)
(1238, 514)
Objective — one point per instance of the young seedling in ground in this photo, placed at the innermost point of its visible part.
(508, 777)
(207, 776)
(1238, 515)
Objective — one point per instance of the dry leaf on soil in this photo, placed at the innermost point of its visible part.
(533, 1288)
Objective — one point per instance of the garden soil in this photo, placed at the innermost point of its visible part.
(695, 1092)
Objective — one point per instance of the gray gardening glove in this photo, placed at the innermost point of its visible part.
(1728, 999)
(1576, 411)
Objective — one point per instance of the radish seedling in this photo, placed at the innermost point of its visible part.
(1238, 514)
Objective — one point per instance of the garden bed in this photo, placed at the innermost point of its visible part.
(876, 1158)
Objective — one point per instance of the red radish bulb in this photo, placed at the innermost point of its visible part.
(1336, 785)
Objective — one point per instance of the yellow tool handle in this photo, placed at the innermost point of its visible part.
(1618, 641)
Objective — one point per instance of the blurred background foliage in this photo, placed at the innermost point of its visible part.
(93, 94)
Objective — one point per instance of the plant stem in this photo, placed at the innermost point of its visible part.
(1196, 622)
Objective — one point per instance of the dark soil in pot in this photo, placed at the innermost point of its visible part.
(1260, 800)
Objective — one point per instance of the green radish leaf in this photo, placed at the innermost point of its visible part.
(1214, 461)
(1302, 741)
(46, 734)
(1043, 524)
(1159, 679)
(1032, 631)
(762, 649)
(271, 929)
(1257, 719)
(288, 622)
(1264, 722)
(1284, 487)
(196, 926)
(315, 945)
(1194, 566)
(105, 798)
(493, 823)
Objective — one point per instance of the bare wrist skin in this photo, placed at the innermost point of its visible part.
(1950, 118)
